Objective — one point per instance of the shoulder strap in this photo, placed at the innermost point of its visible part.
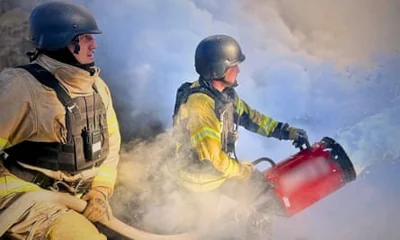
(47, 79)
(184, 91)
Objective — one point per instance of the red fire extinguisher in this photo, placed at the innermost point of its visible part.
(308, 176)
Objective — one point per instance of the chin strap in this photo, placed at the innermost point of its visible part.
(33, 55)
(77, 47)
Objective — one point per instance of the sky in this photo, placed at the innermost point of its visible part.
(330, 67)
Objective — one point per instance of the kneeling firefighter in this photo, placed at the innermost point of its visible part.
(58, 127)
(206, 119)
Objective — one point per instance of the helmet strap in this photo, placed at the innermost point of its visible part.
(77, 47)
(33, 55)
(65, 56)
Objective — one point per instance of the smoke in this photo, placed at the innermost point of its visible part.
(147, 197)
(290, 73)
(293, 49)
(145, 53)
(373, 139)
(342, 31)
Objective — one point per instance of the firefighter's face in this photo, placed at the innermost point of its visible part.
(231, 76)
(87, 45)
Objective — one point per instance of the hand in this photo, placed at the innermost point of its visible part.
(97, 204)
(245, 171)
(299, 136)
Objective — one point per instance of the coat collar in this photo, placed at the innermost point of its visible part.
(76, 80)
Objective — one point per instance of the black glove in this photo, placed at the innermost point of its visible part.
(299, 136)
(283, 131)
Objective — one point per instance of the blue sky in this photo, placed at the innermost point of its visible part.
(332, 68)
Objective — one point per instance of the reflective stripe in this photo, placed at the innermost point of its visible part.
(240, 107)
(4, 143)
(112, 124)
(106, 175)
(178, 147)
(205, 133)
(266, 126)
(10, 184)
(200, 182)
(232, 168)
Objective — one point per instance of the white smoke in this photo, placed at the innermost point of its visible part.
(373, 139)
(290, 73)
(341, 31)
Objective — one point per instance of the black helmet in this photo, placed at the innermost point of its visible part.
(53, 25)
(215, 54)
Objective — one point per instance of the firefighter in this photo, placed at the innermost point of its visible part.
(58, 127)
(206, 119)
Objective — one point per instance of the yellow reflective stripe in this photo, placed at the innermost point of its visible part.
(10, 184)
(113, 129)
(272, 126)
(240, 107)
(104, 177)
(199, 182)
(266, 126)
(232, 168)
(112, 124)
(4, 143)
(106, 174)
(106, 169)
(205, 133)
(178, 147)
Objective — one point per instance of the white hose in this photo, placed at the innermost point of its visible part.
(28, 199)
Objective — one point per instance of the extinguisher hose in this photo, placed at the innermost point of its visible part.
(264, 159)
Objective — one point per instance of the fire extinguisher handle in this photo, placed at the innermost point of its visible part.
(302, 143)
(306, 143)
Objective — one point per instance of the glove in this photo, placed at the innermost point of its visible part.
(245, 170)
(97, 204)
(299, 136)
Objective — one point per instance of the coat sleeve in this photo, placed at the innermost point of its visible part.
(107, 174)
(18, 118)
(205, 135)
(255, 121)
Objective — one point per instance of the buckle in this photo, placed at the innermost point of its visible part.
(77, 187)
(72, 107)
(82, 186)
(61, 186)
(42, 180)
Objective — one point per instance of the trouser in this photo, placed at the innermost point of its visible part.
(42, 220)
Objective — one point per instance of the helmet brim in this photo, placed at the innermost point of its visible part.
(98, 31)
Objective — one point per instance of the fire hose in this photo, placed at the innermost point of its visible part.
(28, 199)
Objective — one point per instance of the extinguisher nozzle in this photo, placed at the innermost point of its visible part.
(340, 156)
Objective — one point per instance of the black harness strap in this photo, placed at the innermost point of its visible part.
(185, 90)
(47, 79)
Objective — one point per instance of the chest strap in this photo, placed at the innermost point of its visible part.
(47, 79)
